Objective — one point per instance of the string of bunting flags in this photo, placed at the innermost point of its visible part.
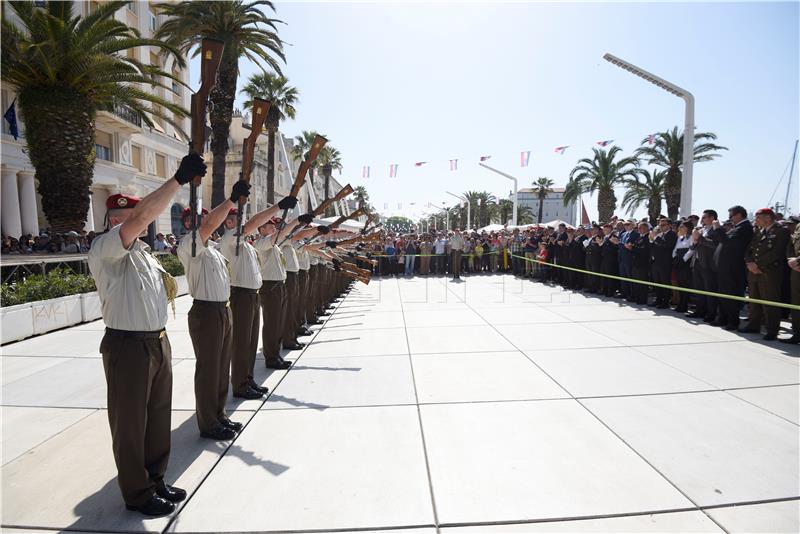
(524, 158)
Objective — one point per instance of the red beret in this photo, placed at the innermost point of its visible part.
(274, 220)
(188, 212)
(766, 211)
(233, 211)
(121, 202)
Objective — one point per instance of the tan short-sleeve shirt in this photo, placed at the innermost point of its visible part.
(245, 268)
(129, 283)
(206, 272)
(291, 257)
(303, 259)
(273, 264)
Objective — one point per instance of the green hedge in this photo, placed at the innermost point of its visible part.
(62, 282)
(57, 283)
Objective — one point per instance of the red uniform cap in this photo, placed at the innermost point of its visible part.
(187, 212)
(233, 211)
(766, 211)
(274, 220)
(121, 202)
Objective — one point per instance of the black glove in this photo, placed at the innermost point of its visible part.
(359, 247)
(336, 267)
(363, 231)
(369, 255)
(191, 166)
(240, 189)
(330, 244)
(323, 229)
(288, 203)
(306, 218)
(351, 254)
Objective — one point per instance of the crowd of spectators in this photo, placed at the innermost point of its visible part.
(69, 243)
(733, 256)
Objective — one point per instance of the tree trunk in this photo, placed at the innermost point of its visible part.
(672, 192)
(541, 205)
(62, 152)
(326, 173)
(271, 130)
(222, 96)
(310, 185)
(606, 204)
(654, 209)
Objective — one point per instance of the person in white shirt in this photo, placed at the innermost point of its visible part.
(210, 320)
(245, 305)
(456, 246)
(160, 244)
(137, 357)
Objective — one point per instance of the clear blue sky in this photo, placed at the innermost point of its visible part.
(406, 82)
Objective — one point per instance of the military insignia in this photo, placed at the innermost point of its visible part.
(122, 202)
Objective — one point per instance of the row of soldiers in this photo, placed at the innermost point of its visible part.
(282, 275)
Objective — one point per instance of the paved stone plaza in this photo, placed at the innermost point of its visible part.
(487, 406)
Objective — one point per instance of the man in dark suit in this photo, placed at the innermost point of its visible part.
(627, 237)
(704, 274)
(729, 261)
(593, 259)
(609, 263)
(662, 243)
(641, 258)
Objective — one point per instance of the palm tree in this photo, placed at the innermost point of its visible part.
(65, 68)
(328, 159)
(524, 215)
(649, 191)
(247, 32)
(361, 196)
(302, 144)
(282, 98)
(601, 174)
(542, 187)
(667, 152)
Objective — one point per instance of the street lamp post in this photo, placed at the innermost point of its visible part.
(688, 126)
(464, 199)
(504, 175)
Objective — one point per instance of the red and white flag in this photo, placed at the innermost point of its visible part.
(393, 170)
(651, 138)
(484, 158)
(605, 143)
(365, 171)
(524, 158)
(420, 163)
(561, 149)
(453, 164)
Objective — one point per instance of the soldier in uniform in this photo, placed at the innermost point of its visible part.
(609, 261)
(793, 260)
(662, 243)
(640, 264)
(765, 261)
(210, 320)
(137, 357)
(732, 243)
(593, 259)
(245, 306)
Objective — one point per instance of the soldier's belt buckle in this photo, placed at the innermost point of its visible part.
(162, 335)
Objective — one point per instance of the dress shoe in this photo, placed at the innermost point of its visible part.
(155, 506)
(278, 364)
(170, 493)
(304, 332)
(731, 327)
(316, 321)
(249, 394)
(260, 389)
(324, 314)
(694, 315)
(769, 337)
(709, 320)
(233, 425)
(294, 346)
(747, 329)
(219, 433)
(794, 340)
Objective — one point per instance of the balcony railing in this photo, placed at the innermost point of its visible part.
(127, 114)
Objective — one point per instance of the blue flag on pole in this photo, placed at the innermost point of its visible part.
(11, 116)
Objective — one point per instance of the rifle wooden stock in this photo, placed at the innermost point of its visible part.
(350, 268)
(260, 109)
(313, 152)
(210, 58)
(335, 224)
(346, 190)
(359, 239)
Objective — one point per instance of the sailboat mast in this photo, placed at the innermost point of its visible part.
(791, 171)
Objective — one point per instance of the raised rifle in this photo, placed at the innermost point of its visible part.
(313, 152)
(260, 109)
(210, 58)
(346, 190)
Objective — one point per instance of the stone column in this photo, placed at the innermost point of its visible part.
(9, 203)
(27, 203)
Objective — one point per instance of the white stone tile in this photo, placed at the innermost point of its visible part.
(776, 517)
(76, 470)
(683, 522)
(555, 336)
(321, 383)
(181, 344)
(19, 367)
(25, 428)
(727, 365)
(456, 339)
(342, 342)
(783, 401)
(434, 318)
(520, 460)
(75, 383)
(659, 331)
(607, 312)
(613, 371)
(515, 314)
(344, 468)
(68, 342)
(482, 376)
(717, 449)
(364, 321)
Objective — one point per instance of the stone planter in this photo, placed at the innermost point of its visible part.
(90, 306)
(183, 285)
(53, 314)
(17, 322)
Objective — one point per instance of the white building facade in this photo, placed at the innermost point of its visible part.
(553, 207)
(131, 158)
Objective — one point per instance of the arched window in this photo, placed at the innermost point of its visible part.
(175, 218)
